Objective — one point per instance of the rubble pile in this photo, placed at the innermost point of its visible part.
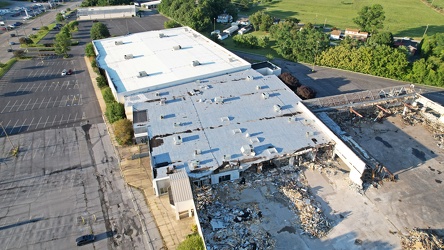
(313, 220)
(422, 239)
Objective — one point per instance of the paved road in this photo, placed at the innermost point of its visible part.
(330, 82)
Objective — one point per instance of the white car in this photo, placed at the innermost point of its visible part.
(64, 72)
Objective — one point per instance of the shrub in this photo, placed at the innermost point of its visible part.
(107, 94)
(19, 53)
(290, 80)
(305, 92)
(101, 82)
(193, 241)
(33, 36)
(25, 40)
(44, 28)
(89, 50)
(171, 24)
(124, 132)
(114, 111)
(94, 63)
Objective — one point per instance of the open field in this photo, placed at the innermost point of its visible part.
(403, 17)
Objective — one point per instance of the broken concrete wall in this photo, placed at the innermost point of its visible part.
(356, 165)
(234, 175)
(430, 104)
(161, 185)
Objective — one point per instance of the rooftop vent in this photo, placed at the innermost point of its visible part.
(227, 157)
(265, 95)
(161, 35)
(157, 94)
(249, 78)
(258, 87)
(129, 56)
(277, 107)
(177, 140)
(177, 47)
(162, 101)
(237, 131)
(142, 74)
(254, 140)
(309, 133)
(177, 124)
(225, 119)
(194, 164)
(272, 150)
(118, 43)
(197, 152)
(247, 150)
(218, 99)
(195, 63)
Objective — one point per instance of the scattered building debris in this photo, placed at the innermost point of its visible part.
(229, 223)
(426, 239)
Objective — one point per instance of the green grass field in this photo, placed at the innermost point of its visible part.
(403, 17)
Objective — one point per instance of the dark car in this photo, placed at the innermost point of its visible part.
(10, 50)
(85, 239)
(35, 28)
(69, 72)
(18, 23)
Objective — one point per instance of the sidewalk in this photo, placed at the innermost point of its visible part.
(137, 174)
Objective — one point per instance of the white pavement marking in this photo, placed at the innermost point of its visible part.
(19, 88)
(30, 74)
(22, 125)
(27, 104)
(48, 102)
(20, 105)
(69, 116)
(75, 118)
(34, 103)
(35, 73)
(13, 105)
(55, 101)
(10, 131)
(61, 119)
(54, 120)
(44, 126)
(38, 123)
(43, 71)
(5, 107)
(38, 146)
(38, 87)
(44, 87)
(42, 102)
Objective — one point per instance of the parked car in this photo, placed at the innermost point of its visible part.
(85, 239)
(12, 35)
(64, 72)
(10, 50)
(11, 43)
(35, 28)
(69, 72)
(18, 23)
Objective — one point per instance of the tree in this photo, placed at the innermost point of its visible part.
(193, 241)
(261, 21)
(62, 44)
(114, 111)
(59, 18)
(305, 92)
(65, 30)
(102, 83)
(381, 38)
(123, 130)
(25, 40)
(99, 31)
(370, 19)
(73, 25)
(171, 24)
(19, 53)
(89, 50)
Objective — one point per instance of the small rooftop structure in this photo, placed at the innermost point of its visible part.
(166, 57)
(335, 34)
(356, 34)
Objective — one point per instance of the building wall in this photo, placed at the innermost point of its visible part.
(234, 174)
(353, 161)
(159, 184)
(184, 206)
(93, 13)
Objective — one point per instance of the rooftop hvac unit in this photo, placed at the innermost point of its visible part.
(177, 124)
(309, 133)
(162, 101)
(118, 43)
(157, 94)
(265, 95)
(277, 107)
(237, 131)
(195, 63)
(194, 164)
(218, 99)
(177, 140)
(247, 150)
(197, 152)
(249, 78)
(225, 119)
(177, 47)
(129, 56)
(258, 87)
(272, 150)
(142, 74)
(254, 140)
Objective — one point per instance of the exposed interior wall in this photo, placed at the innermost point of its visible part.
(184, 206)
(352, 160)
(160, 184)
(234, 175)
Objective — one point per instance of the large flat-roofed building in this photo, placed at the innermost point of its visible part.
(206, 111)
(157, 59)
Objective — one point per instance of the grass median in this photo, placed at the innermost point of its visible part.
(5, 67)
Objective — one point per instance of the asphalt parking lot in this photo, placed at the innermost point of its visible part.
(35, 96)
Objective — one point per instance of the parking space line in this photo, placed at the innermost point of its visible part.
(34, 103)
(35, 73)
(57, 84)
(20, 106)
(13, 105)
(69, 116)
(27, 104)
(2, 131)
(48, 102)
(44, 126)
(19, 89)
(80, 100)
(46, 73)
(5, 107)
(42, 102)
(75, 118)
(55, 102)
(38, 146)
(10, 131)
(44, 86)
(26, 88)
(30, 74)
(22, 126)
(61, 119)
(38, 123)
(54, 120)
(50, 85)
(38, 87)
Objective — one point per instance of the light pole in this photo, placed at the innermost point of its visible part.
(214, 21)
